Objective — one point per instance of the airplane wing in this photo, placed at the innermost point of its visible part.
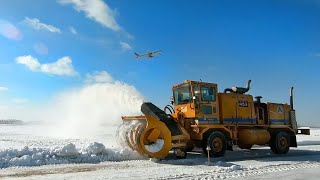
(157, 52)
(148, 54)
(140, 56)
(154, 53)
(137, 55)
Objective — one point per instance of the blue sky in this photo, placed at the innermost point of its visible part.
(275, 43)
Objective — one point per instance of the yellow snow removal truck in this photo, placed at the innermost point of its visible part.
(202, 117)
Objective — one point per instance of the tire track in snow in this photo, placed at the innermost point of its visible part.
(242, 172)
(14, 172)
(220, 172)
(178, 169)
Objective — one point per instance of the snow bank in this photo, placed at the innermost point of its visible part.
(312, 139)
(93, 153)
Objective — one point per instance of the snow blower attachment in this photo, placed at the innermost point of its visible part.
(155, 133)
(204, 118)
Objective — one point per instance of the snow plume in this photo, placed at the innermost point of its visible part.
(95, 108)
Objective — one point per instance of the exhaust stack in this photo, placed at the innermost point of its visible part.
(239, 90)
(292, 114)
(291, 99)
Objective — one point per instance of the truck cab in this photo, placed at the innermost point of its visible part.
(193, 99)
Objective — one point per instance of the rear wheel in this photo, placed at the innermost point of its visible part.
(217, 143)
(280, 143)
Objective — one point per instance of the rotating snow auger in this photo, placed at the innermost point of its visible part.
(155, 133)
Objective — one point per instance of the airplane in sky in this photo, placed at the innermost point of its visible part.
(148, 54)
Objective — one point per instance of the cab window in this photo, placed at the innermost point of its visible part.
(208, 94)
(182, 94)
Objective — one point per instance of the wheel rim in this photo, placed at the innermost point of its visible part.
(283, 143)
(217, 144)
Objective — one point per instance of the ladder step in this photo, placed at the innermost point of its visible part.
(179, 137)
(175, 145)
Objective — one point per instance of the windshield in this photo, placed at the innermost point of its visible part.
(182, 94)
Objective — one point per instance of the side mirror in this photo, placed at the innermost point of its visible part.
(171, 100)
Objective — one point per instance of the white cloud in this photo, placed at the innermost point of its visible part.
(20, 100)
(96, 10)
(36, 24)
(99, 77)
(41, 48)
(9, 31)
(62, 67)
(29, 61)
(125, 46)
(130, 36)
(73, 30)
(3, 88)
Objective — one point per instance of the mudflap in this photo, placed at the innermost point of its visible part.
(293, 141)
(229, 146)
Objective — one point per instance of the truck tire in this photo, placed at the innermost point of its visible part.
(217, 143)
(280, 143)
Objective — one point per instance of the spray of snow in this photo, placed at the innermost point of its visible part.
(94, 109)
(92, 112)
(124, 131)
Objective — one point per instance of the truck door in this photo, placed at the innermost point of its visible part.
(208, 111)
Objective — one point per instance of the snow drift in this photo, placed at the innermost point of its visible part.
(93, 153)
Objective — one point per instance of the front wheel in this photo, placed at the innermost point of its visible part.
(217, 143)
(280, 143)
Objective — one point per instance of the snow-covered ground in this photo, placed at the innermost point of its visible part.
(33, 152)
